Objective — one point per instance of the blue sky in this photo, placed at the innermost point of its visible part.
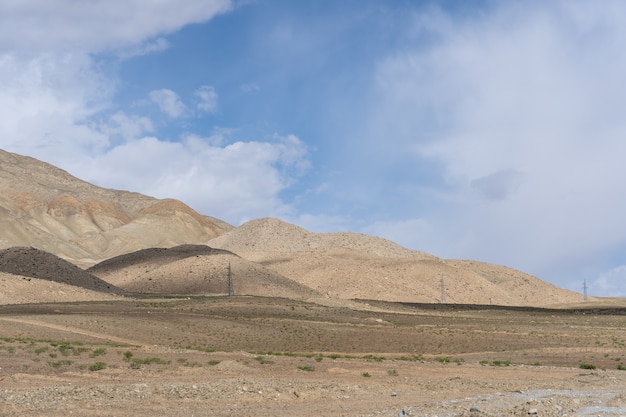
(487, 130)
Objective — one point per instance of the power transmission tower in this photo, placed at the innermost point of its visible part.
(585, 290)
(229, 282)
(443, 291)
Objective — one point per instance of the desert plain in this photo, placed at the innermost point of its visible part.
(264, 356)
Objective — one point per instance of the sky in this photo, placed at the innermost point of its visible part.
(485, 130)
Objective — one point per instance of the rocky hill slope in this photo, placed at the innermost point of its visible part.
(47, 208)
(351, 265)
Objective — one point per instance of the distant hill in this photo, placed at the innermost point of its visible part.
(350, 265)
(195, 270)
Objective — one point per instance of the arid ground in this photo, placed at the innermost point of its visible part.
(253, 356)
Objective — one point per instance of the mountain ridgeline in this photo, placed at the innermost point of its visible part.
(66, 234)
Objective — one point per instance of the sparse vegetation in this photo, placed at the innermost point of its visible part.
(307, 368)
(263, 360)
(587, 366)
(98, 366)
(98, 352)
(60, 363)
(150, 361)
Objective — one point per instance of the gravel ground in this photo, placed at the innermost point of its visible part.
(237, 387)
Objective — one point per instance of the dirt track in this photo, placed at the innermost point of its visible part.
(201, 357)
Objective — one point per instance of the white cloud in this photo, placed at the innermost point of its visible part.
(250, 88)
(126, 127)
(51, 86)
(45, 101)
(88, 26)
(521, 107)
(208, 98)
(235, 182)
(168, 101)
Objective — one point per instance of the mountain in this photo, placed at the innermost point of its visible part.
(142, 244)
(47, 208)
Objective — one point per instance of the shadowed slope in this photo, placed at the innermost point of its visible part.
(194, 270)
(35, 263)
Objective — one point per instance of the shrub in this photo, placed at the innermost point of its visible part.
(60, 363)
(98, 352)
(149, 361)
(98, 366)
(263, 360)
(587, 366)
(306, 368)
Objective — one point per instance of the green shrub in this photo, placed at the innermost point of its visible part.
(587, 366)
(58, 364)
(98, 352)
(98, 366)
(149, 361)
(263, 360)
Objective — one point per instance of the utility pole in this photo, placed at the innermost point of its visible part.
(443, 291)
(229, 282)
(585, 290)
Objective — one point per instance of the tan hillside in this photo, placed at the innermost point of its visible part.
(270, 235)
(349, 265)
(47, 208)
(195, 270)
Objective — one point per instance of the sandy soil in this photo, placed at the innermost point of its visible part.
(246, 356)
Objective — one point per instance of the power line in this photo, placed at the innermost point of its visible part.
(229, 282)
(585, 290)
(443, 291)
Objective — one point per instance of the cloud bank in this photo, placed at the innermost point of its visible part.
(521, 108)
